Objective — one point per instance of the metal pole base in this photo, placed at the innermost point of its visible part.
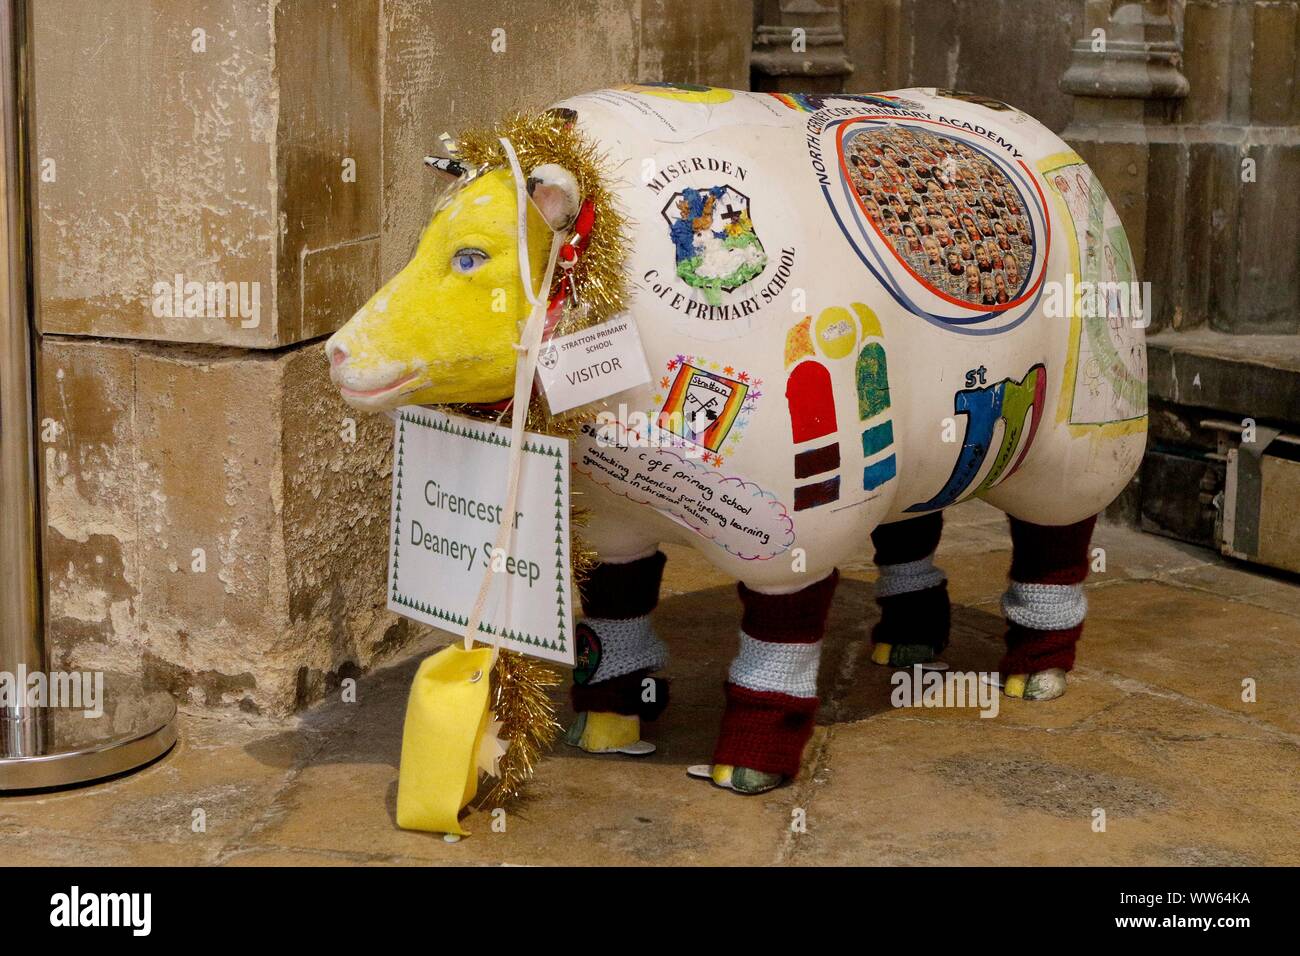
(136, 728)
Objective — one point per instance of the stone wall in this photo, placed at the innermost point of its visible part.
(1012, 50)
(1190, 114)
(1200, 149)
(215, 516)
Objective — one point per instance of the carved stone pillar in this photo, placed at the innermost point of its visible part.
(1136, 56)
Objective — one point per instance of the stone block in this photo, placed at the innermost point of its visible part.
(707, 41)
(1247, 375)
(210, 524)
(191, 162)
(873, 44)
(329, 165)
(1204, 232)
(1263, 295)
(1208, 55)
(1177, 496)
(1275, 64)
(156, 133)
(1170, 274)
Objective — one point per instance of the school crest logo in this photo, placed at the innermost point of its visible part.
(717, 248)
(702, 405)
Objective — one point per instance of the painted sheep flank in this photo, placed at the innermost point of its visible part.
(857, 310)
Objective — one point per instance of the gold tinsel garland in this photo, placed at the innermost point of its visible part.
(521, 685)
(521, 699)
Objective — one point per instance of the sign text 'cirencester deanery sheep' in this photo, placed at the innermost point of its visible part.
(449, 493)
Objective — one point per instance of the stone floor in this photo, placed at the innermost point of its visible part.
(1153, 731)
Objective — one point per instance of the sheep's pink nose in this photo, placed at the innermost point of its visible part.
(338, 355)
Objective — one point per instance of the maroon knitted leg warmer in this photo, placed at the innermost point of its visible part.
(771, 691)
(1045, 555)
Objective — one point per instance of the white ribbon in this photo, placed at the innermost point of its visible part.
(530, 338)
(522, 200)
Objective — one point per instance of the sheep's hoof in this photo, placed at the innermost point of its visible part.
(598, 732)
(751, 782)
(902, 655)
(1041, 685)
(740, 779)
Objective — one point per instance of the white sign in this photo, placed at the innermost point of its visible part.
(591, 364)
(449, 491)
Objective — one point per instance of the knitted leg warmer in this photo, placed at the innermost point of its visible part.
(771, 689)
(617, 647)
(911, 592)
(1044, 604)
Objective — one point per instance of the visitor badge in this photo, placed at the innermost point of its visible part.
(592, 364)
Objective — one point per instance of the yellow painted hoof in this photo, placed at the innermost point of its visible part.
(1014, 686)
(598, 732)
(880, 654)
(609, 731)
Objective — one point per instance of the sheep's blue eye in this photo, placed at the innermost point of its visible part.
(468, 260)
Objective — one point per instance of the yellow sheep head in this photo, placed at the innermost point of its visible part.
(443, 330)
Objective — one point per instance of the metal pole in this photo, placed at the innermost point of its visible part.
(22, 729)
(42, 746)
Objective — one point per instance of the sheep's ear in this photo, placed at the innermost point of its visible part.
(555, 194)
